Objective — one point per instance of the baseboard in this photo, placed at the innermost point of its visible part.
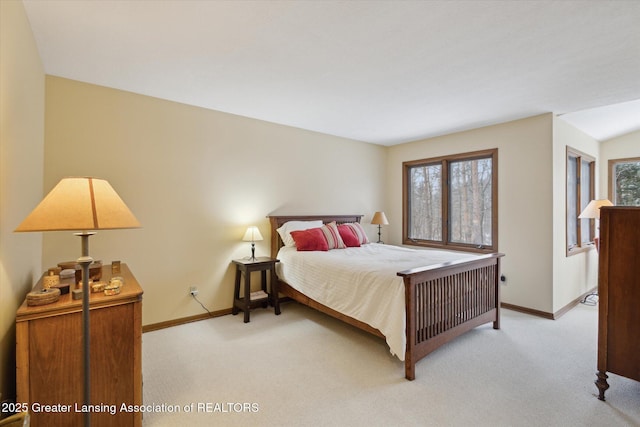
(183, 320)
(573, 303)
(547, 315)
(527, 310)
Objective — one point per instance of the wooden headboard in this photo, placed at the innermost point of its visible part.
(277, 221)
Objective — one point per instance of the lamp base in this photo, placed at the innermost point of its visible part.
(379, 235)
(253, 252)
(590, 299)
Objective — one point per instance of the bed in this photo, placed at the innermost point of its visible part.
(426, 304)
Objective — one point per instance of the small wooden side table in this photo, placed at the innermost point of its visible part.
(250, 299)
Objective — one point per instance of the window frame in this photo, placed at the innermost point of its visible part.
(445, 161)
(612, 180)
(580, 246)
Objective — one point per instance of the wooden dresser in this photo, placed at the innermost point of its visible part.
(619, 295)
(49, 357)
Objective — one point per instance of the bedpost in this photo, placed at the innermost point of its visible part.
(496, 323)
(410, 303)
(275, 237)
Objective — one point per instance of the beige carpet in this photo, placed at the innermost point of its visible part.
(303, 368)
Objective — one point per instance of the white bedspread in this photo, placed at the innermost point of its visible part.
(361, 282)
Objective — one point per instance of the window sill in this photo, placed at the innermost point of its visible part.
(459, 248)
(580, 249)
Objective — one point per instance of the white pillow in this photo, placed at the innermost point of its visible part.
(285, 230)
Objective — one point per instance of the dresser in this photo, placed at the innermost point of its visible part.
(49, 354)
(619, 295)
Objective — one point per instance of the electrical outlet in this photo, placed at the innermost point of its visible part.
(193, 291)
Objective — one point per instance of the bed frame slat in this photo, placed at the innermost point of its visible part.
(447, 302)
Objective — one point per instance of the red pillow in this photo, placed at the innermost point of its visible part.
(349, 238)
(310, 240)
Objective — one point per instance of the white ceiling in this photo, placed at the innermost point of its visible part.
(378, 71)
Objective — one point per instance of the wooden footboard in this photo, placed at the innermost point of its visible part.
(443, 301)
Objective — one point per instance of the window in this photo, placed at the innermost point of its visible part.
(451, 202)
(580, 191)
(624, 182)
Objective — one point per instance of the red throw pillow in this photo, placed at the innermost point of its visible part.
(310, 240)
(349, 237)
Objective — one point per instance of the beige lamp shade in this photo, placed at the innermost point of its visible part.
(252, 234)
(79, 204)
(379, 218)
(593, 208)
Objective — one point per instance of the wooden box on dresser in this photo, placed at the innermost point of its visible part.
(619, 295)
(49, 357)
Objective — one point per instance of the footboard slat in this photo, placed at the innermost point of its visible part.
(446, 301)
(454, 300)
(450, 301)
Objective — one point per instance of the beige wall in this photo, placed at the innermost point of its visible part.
(576, 274)
(21, 162)
(524, 199)
(195, 179)
(622, 147)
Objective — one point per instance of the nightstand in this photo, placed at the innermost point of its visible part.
(262, 297)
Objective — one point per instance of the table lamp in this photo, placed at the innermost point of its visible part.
(592, 211)
(380, 219)
(81, 204)
(252, 235)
